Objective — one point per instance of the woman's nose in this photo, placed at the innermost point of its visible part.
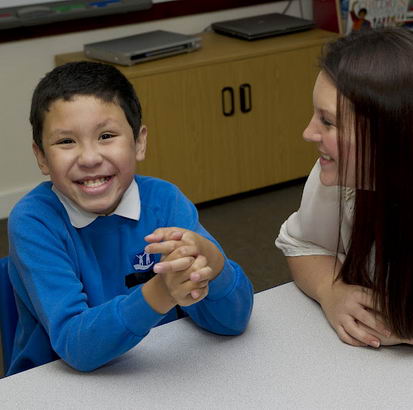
(312, 133)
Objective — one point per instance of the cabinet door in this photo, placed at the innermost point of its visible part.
(209, 155)
(271, 134)
(190, 142)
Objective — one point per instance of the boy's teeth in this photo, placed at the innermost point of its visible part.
(94, 182)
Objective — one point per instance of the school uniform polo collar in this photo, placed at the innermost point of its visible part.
(129, 207)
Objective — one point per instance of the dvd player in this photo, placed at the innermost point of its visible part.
(142, 47)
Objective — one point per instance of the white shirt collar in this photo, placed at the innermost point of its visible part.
(129, 207)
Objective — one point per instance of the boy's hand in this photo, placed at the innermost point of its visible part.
(183, 279)
(179, 281)
(190, 261)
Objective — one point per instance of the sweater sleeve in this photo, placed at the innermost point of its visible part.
(44, 275)
(314, 228)
(227, 308)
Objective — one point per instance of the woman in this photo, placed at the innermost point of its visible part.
(349, 244)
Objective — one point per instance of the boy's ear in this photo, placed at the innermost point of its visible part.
(41, 159)
(140, 143)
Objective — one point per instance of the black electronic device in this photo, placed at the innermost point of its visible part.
(262, 26)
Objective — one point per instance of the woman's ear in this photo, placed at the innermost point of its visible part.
(41, 159)
(140, 143)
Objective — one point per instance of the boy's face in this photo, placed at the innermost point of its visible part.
(89, 151)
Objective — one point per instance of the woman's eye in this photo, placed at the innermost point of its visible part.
(326, 122)
(106, 136)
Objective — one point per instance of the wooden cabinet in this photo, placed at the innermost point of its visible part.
(208, 154)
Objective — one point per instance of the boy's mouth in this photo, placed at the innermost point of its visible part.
(93, 182)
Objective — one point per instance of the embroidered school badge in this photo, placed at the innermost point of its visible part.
(143, 261)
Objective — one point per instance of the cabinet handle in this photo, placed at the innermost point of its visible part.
(227, 106)
(245, 97)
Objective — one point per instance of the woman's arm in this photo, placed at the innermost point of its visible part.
(348, 308)
(313, 274)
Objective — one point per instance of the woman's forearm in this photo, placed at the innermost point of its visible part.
(313, 274)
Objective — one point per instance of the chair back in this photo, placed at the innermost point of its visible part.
(8, 314)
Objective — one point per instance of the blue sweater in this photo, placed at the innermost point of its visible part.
(70, 288)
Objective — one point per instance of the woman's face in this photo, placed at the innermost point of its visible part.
(322, 130)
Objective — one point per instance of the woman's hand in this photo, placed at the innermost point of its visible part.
(349, 309)
(386, 340)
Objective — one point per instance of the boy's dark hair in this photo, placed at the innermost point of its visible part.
(84, 78)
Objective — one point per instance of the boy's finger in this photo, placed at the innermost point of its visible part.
(154, 237)
(199, 294)
(181, 251)
(203, 284)
(190, 286)
(204, 274)
(176, 265)
(165, 248)
(195, 294)
(163, 234)
(200, 262)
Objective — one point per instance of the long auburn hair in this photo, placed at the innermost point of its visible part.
(373, 73)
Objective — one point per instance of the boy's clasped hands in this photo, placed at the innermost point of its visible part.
(189, 262)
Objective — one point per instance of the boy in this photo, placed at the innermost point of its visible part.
(88, 285)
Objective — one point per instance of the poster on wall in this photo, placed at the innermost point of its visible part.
(410, 11)
(365, 14)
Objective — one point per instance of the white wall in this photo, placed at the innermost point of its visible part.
(24, 62)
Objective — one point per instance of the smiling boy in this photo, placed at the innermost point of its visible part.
(85, 247)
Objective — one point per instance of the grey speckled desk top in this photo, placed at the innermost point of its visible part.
(288, 358)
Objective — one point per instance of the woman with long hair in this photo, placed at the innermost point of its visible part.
(349, 246)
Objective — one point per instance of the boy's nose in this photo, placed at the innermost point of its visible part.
(89, 157)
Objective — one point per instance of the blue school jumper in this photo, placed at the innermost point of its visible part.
(71, 284)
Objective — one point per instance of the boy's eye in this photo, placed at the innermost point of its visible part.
(106, 136)
(65, 141)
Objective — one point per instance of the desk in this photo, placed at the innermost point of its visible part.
(289, 357)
